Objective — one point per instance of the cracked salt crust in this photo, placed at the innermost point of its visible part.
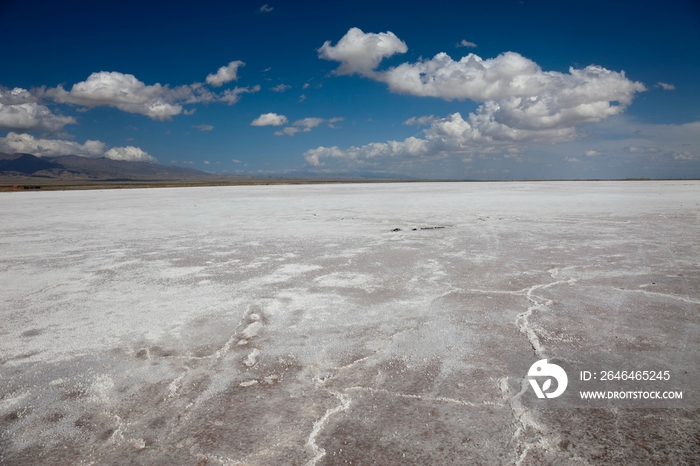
(131, 333)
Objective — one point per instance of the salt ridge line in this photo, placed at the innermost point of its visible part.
(440, 399)
(521, 414)
(652, 293)
(521, 320)
(320, 452)
(525, 422)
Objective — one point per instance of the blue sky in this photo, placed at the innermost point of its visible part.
(554, 89)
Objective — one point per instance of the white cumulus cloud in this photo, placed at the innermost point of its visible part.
(515, 90)
(28, 144)
(520, 102)
(225, 74)
(130, 154)
(666, 86)
(19, 110)
(478, 133)
(203, 127)
(270, 119)
(32, 117)
(378, 151)
(16, 96)
(361, 53)
(120, 90)
(127, 93)
(312, 156)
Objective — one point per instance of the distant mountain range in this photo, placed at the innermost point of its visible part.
(73, 167)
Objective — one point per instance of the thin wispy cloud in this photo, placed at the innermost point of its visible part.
(466, 43)
(306, 125)
(281, 88)
(420, 121)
